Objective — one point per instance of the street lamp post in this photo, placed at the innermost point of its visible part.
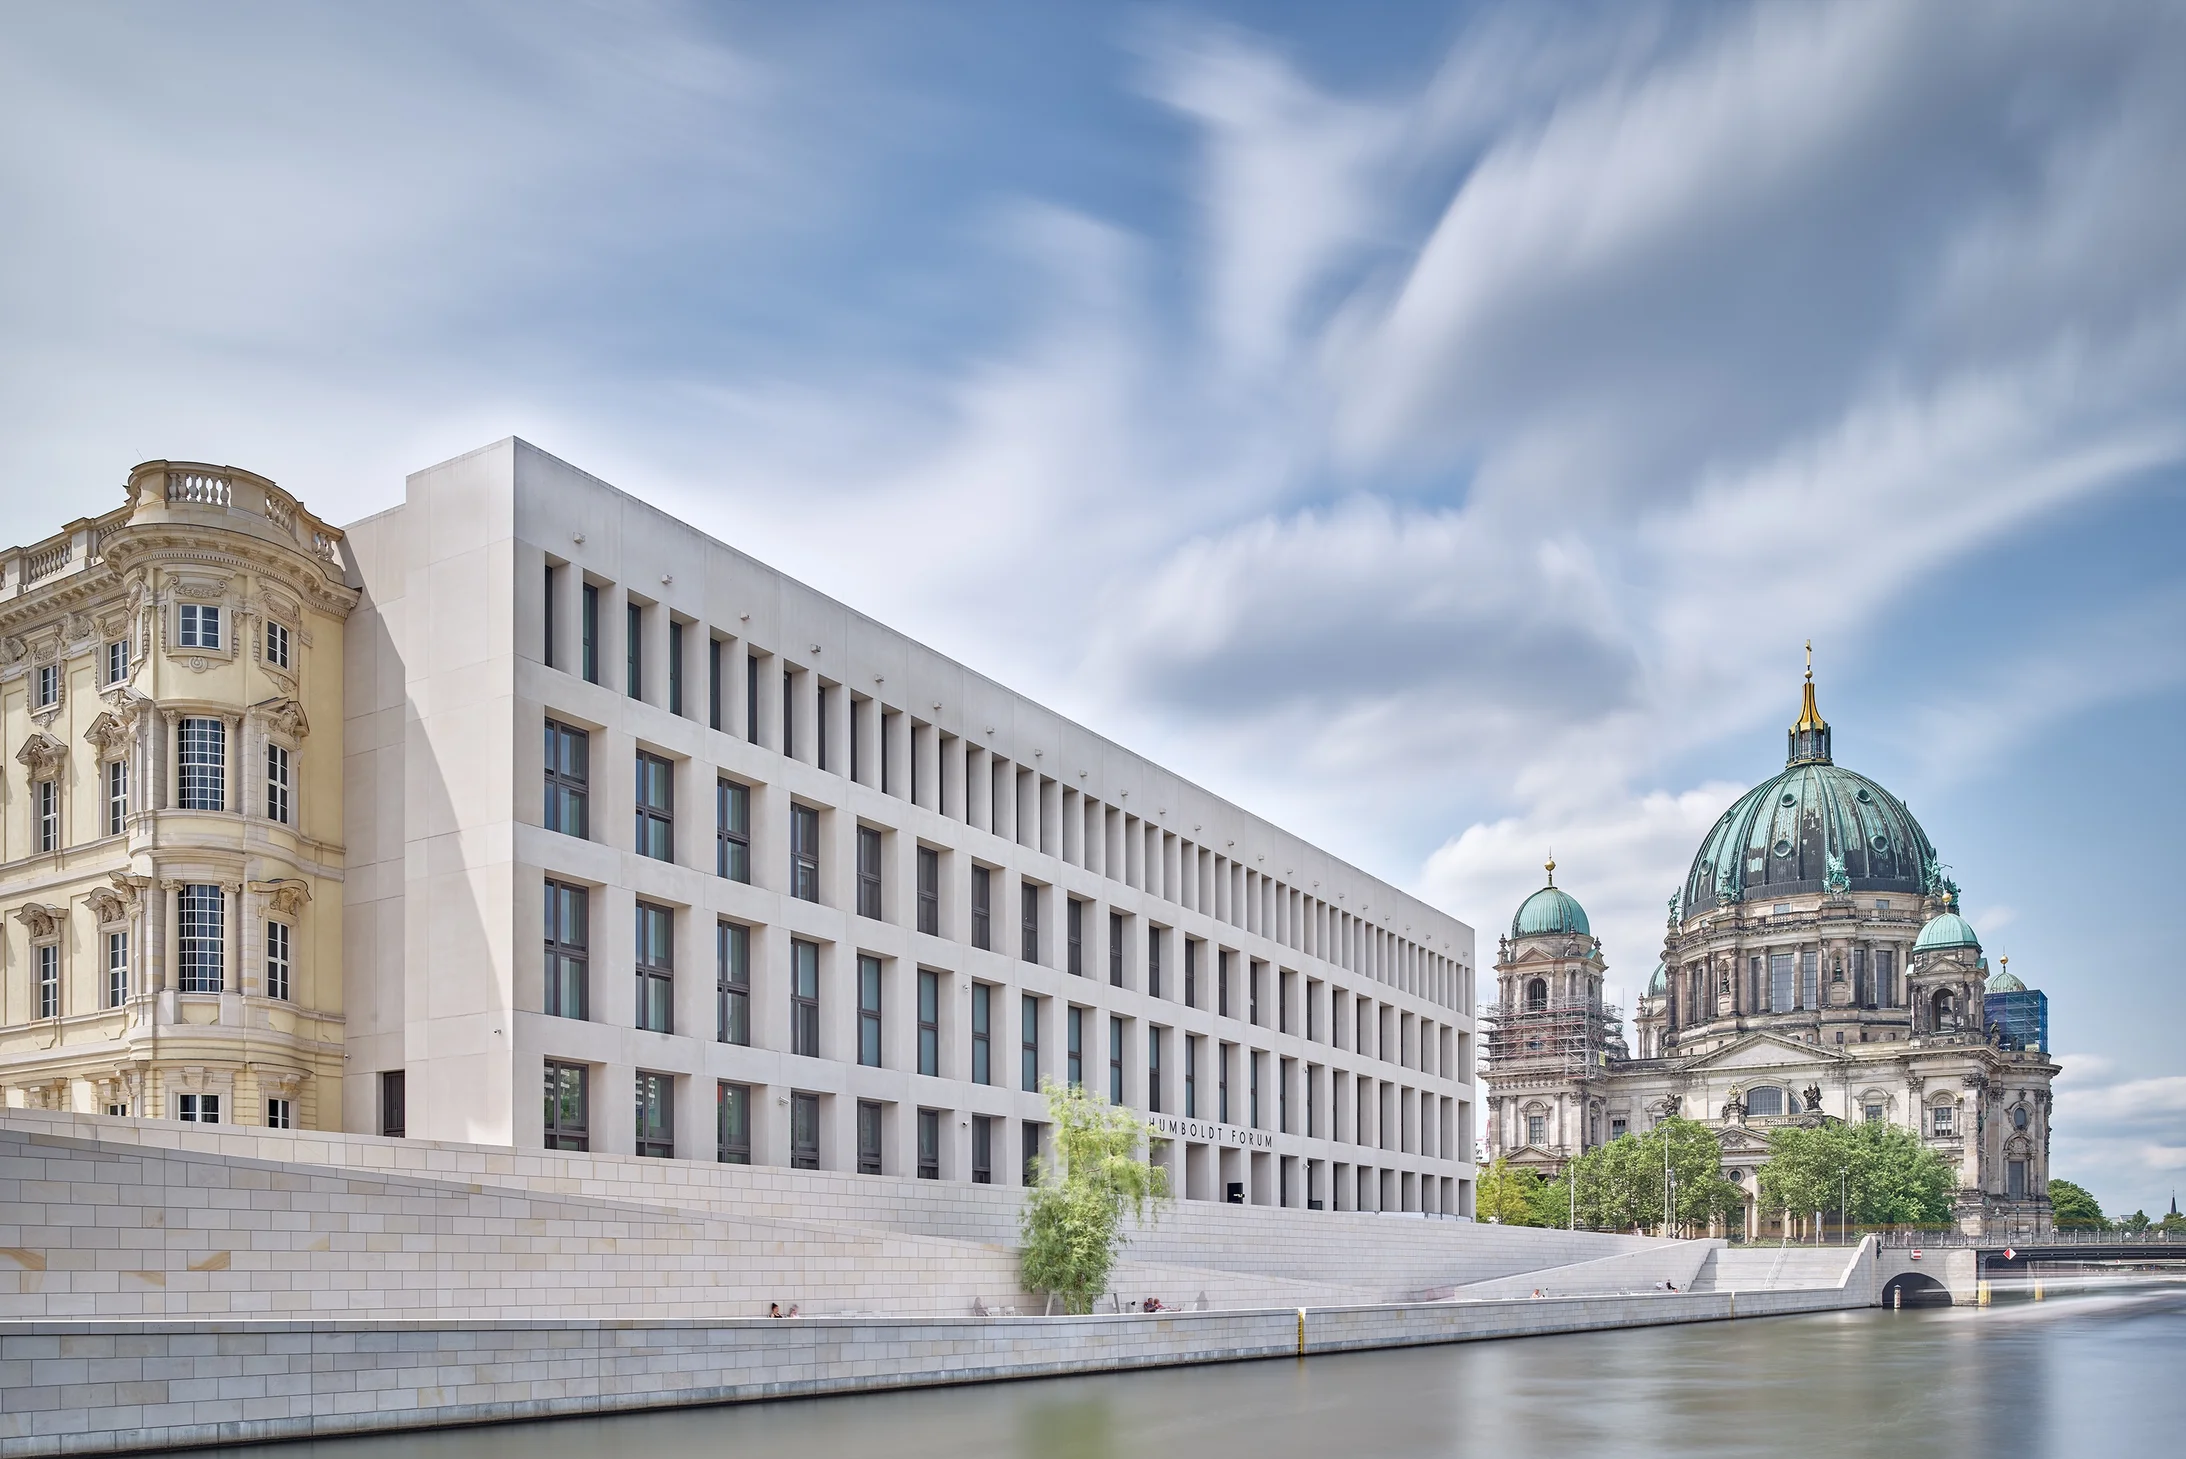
(1843, 1185)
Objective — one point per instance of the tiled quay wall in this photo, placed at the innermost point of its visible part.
(111, 1387)
(130, 1218)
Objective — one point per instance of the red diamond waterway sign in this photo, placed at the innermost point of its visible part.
(2009, 1253)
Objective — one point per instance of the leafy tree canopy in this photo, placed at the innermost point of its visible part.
(1073, 1219)
(1507, 1195)
(1887, 1176)
(2075, 1208)
(1620, 1184)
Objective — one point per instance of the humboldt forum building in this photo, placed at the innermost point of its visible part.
(524, 815)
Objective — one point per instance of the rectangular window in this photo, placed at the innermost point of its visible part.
(1873, 1113)
(732, 1123)
(546, 603)
(117, 969)
(732, 983)
(1780, 974)
(1942, 1120)
(656, 963)
(1253, 973)
(47, 689)
(751, 698)
(656, 1115)
(804, 853)
(1617, 1128)
(1028, 901)
(198, 625)
(929, 1021)
(732, 830)
(2015, 1179)
(869, 1028)
(117, 661)
(568, 780)
(982, 1033)
(789, 718)
(1153, 1070)
(1074, 1047)
(1537, 1130)
(277, 784)
(280, 1114)
(47, 808)
(394, 1103)
(804, 998)
(277, 644)
(1253, 1060)
(1028, 1070)
(202, 758)
(1030, 1149)
(1115, 1059)
(713, 683)
(1863, 991)
(568, 951)
(1222, 1057)
(868, 872)
(198, 1109)
(568, 1125)
(1282, 1098)
(277, 960)
(1153, 961)
(929, 1144)
(868, 1137)
(48, 960)
(656, 808)
(1191, 1077)
(982, 908)
(858, 711)
(1074, 937)
(633, 641)
(1810, 971)
(819, 727)
(982, 1150)
(1222, 982)
(1115, 949)
(675, 667)
(117, 797)
(591, 626)
(1191, 972)
(929, 891)
(1886, 991)
(804, 1131)
(202, 960)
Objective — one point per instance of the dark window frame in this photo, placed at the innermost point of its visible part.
(568, 949)
(870, 1028)
(1028, 911)
(982, 1033)
(568, 780)
(1028, 1039)
(589, 601)
(655, 1114)
(655, 967)
(804, 852)
(1074, 1046)
(654, 801)
(1115, 1058)
(1074, 936)
(804, 998)
(633, 637)
(394, 1103)
(732, 983)
(929, 1022)
(732, 1123)
(929, 1144)
(869, 879)
(804, 1130)
(870, 1142)
(982, 908)
(732, 830)
(929, 891)
(1115, 949)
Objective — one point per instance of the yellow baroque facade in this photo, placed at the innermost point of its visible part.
(171, 807)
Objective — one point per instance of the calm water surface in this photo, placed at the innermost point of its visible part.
(2097, 1375)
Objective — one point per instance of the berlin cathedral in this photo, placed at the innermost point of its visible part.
(1815, 966)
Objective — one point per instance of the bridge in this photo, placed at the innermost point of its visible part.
(1930, 1267)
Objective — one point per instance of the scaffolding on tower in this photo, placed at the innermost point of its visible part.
(1575, 1038)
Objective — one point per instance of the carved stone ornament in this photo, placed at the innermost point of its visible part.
(285, 898)
(107, 905)
(278, 605)
(201, 590)
(43, 754)
(43, 921)
(112, 734)
(12, 650)
(282, 718)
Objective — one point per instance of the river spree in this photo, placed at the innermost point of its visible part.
(2097, 1375)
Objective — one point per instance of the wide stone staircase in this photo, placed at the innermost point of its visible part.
(1773, 1268)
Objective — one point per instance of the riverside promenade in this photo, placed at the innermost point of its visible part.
(163, 1286)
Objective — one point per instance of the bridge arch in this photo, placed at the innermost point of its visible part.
(1915, 1289)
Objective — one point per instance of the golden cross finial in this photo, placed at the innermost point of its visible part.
(1810, 661)
(1550, 867)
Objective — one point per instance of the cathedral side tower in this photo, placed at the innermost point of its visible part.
(1550, 1036)
(171, 822)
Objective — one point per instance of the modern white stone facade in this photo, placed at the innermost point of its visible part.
(1299, 1030)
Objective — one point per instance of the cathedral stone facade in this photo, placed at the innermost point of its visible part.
(1815, 967)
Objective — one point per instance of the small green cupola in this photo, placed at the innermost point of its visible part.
(1550, 911)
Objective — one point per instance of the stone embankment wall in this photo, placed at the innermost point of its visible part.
(95, 1388)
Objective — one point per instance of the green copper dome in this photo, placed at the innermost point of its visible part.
(1817, 827)
(1549, 911)
(1946, 930)
(2006, 981)
(1659, 984)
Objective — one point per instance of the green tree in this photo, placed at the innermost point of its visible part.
(1073, 1219)
(2134, 1224)
(1620, 1184)
(1886, 1176)
(1506, 1195)
(2074, 1208)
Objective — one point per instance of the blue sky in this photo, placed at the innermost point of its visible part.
(1437, 428)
